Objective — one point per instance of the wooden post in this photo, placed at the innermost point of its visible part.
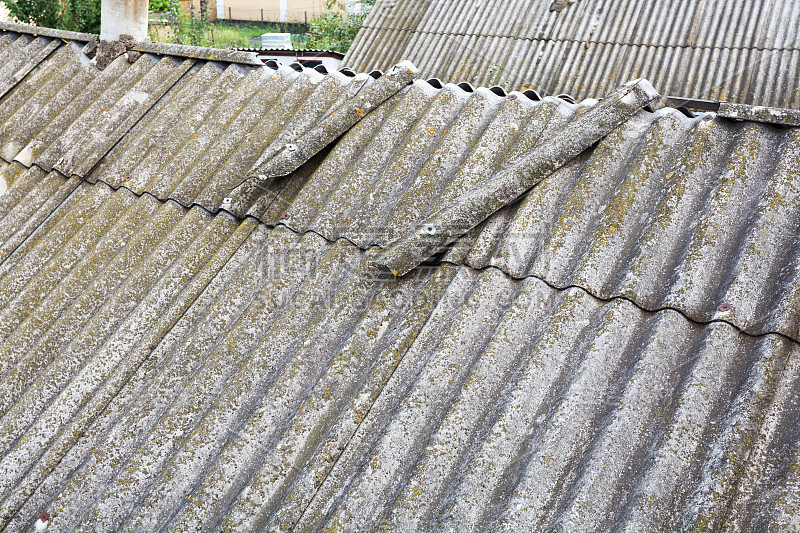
(305, 16)
(230, 15)
(262, 14)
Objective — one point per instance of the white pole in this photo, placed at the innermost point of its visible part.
(118, 17)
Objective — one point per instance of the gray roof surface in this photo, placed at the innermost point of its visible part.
(616, 349)
(742, 51)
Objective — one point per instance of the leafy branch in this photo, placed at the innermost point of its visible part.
(336, 28)
(71, 15)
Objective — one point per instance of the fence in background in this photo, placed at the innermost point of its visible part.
(294, 14)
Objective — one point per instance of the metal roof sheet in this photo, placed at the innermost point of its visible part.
(745, 52)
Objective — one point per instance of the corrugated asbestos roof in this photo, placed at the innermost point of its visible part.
(747, 52)
(618, 349)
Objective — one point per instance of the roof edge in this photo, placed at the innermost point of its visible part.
(46, 32)
(198, 52)
(757, 113)
(305, 52)
(177, 50)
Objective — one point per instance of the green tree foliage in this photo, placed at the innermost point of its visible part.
(71, 15)
(335, 29)
(158, 5)
(187, 29)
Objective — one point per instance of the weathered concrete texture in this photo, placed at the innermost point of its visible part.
(667, 210)
(516, 178)
(164, 368)
(108, 52)
(45, 32)
(770, 115)
(123, 17)
(614, 348)
(90, 50)
(293, 147)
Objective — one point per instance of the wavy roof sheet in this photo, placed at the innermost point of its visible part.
(746, 52)
(616, 349)
(165, 368)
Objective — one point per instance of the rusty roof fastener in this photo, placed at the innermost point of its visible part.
(725, 306)
(512, 96)
(44, 516)
(498, 255)
(285, 216)
(429, 229)
(707, 117)
(128, 178)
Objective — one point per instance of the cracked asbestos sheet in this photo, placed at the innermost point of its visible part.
(511, 182)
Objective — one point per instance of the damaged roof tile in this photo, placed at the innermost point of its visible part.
(613, 343)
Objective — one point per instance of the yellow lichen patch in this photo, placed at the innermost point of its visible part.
(359, 112)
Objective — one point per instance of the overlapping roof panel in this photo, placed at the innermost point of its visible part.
(616, 350)
(747, 52)
(169, 368)
(670, 211)
(68, 114)
(206, 122)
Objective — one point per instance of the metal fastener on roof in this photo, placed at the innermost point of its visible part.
(285, 216)
(725, 306)
(693, 103)
(429, 229)
(291, 147)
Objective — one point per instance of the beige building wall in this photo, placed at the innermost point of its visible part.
(4, 16)
(270, 10)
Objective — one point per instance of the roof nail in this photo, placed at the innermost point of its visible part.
(725, 306)
(285, 216)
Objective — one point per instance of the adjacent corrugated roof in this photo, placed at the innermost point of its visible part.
(746, 52)
(618, 349)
